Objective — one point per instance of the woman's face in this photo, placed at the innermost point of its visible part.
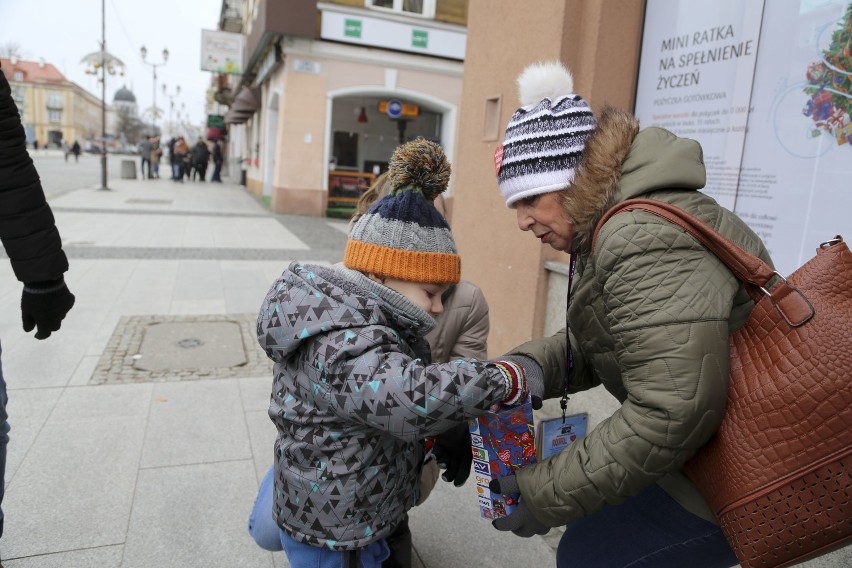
(544, 216)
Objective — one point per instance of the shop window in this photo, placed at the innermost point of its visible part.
(424, 8)
(345, 150)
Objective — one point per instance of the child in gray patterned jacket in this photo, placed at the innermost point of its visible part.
(353, 396)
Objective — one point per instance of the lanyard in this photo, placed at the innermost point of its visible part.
(569, 355)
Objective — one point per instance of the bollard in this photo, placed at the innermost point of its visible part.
(128, 169)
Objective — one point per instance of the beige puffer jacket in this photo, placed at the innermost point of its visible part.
(650, 315)
(461, 331)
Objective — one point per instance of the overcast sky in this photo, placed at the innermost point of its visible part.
(64, 31)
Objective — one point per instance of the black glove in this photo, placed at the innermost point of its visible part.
(454, 454)
(44, 304)
(520, 521)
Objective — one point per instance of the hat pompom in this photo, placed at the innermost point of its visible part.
(422, 164)
(544, 80)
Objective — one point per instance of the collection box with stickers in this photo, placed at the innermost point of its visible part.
(502, 442)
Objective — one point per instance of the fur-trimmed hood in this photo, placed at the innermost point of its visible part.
(621, 162)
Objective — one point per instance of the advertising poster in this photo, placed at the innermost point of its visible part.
(796, 184)
(222, 52)
(767, 94)
(695, 79)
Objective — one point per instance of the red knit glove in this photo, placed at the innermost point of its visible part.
(516, 381)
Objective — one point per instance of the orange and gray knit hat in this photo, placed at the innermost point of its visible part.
(402, 235)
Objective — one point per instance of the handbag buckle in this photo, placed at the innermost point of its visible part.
(830, 243)
(790, 302)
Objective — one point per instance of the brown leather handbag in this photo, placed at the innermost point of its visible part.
(778, 473)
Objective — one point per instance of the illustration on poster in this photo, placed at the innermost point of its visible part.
(829, 84)
(828, 105)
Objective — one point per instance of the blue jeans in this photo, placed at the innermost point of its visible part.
(261, 524)
(267, 535)
(4, 438)
(650, 530)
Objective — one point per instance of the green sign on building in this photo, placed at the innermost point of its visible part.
(419, 38)
(216, 120)
(352, 28)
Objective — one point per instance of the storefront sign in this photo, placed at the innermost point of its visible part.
(764, 88)
(222, 52)
(420, 38)
(352, 28)
(394, 108)
(442, 40)
(216, 120)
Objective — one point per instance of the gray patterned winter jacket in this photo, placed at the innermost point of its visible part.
(650, 316)
(352, 398)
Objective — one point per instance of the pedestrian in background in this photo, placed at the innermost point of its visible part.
(75, 149)
(181, 149)
(649, 317)
(156, 156)
(32, 243)
(216, 154)
(145, 152)
(200, 159)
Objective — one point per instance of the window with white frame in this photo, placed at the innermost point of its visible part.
(19, 75)
(54, 115)
(423, 8)
(54, 101)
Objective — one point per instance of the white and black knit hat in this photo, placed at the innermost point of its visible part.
(546, 137)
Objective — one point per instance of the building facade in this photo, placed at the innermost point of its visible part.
(52, 108)
(330, 88)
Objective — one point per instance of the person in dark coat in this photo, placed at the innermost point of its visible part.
(75, 149)
(217, 162)
(32, 243)
(200, 159)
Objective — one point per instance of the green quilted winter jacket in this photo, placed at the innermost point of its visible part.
(650, 316)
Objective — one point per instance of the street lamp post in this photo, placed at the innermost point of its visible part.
(144, 53)
(103, 62)
(171, 105)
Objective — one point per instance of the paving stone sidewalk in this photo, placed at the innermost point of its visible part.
(113, 463)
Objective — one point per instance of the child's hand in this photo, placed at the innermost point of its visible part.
(454, 455)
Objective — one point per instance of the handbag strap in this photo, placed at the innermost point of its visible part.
(790, 302)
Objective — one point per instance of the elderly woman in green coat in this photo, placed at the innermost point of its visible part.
(649, 318)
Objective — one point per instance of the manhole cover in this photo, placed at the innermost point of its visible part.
(197, 345)
(144, 348)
